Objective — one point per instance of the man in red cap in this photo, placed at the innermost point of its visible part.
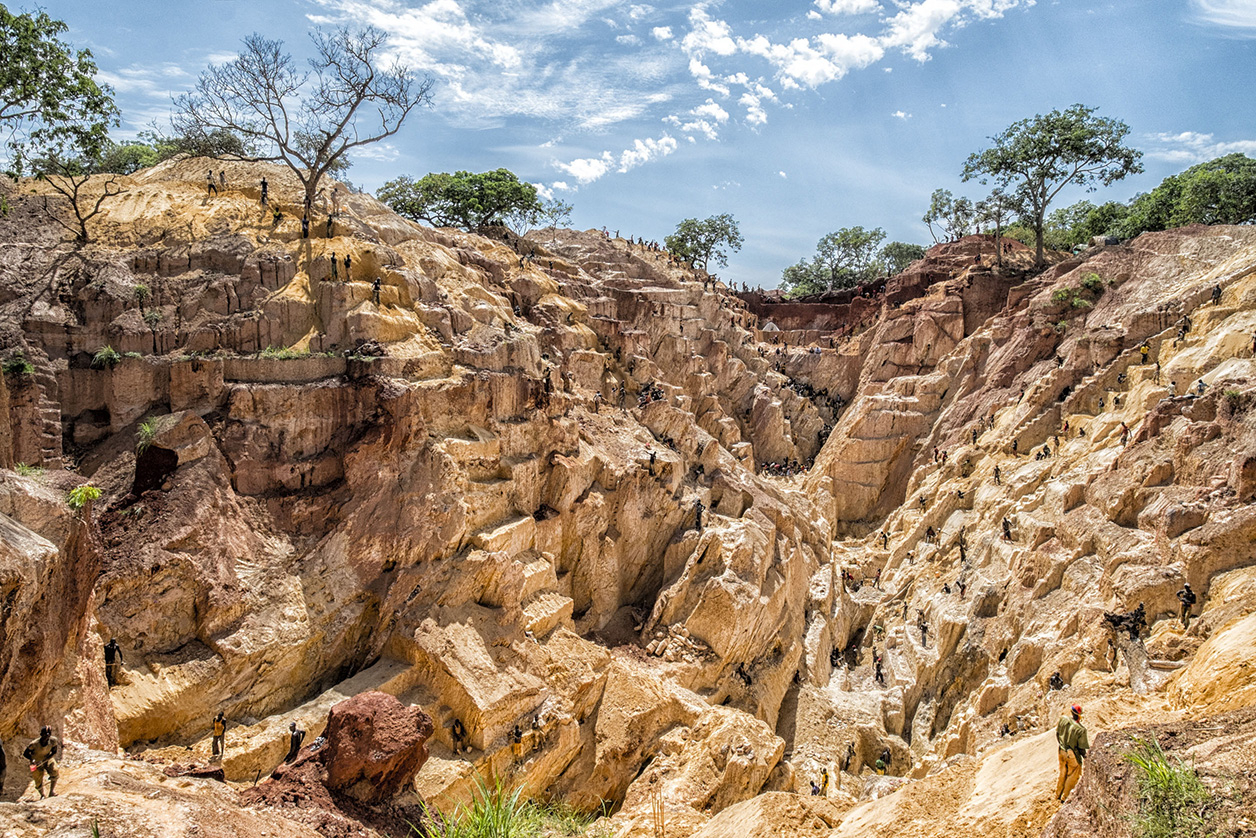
(1071, 736)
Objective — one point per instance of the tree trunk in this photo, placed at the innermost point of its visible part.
(1039, 261)
(998, 245)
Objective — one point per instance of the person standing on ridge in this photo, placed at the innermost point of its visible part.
(42, 755)
(1071, 736)
(265, 191)
(211, 188)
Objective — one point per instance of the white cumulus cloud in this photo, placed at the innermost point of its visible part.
(662, 33)
(708, 34)
(847, 7)
(587, 169)
(643, 151)
(1191, 147)
(901, 115)
(828, 59)
(916, 28)
(1232, 14)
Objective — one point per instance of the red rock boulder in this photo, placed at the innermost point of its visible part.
(375, 746)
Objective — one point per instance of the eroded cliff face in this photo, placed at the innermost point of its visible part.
(476, 484)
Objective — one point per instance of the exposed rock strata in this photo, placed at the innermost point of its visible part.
(435, 493)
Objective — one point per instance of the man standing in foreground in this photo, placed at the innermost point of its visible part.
(1071, 736)
(42, 755)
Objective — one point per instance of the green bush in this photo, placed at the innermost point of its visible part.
(28, 471)
(107, 356)
(142, 294)
(132, 355)
(152, 317)
(1093, 283)
(80, 496)
(17, 365)
(1173, 801)
(1082, 303)
(1061, 295)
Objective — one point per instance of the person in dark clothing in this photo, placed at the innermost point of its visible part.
(348, 268)
(835, 656)
(697, 515)
(295, 738)
(458, 734)
(3, 766)
(1187, 597)
(375, 290)
(924, 631)
(305, 226)
(211, 187)
(1007, 530)
(265, 191)
(997, 476)
(1216, 294)
(880, 675)
(1057, 681)
(113, 660)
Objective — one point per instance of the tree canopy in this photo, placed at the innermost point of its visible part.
(1038, 157)
(49, 96)
(466, 200)
(953, 215)
(898, 255)
(309, 120)
(1221, 191)
(848, 257)
(703, 242)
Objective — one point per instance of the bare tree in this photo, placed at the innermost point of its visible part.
(69, 179)
(307, 119)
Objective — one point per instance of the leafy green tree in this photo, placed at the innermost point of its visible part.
(954, 216)
(1038, 157)
(127, 158)
(48, 91)
(1220, 191)
(308, 120)
(844, 258)
(998, 208)
(702, 242)
(466, 200)
(51, 106)
(896, 256)
(1074, 225)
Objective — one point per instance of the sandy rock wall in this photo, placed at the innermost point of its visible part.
(535, 495)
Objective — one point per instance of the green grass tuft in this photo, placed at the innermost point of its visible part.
(1173, 801)
(106, 356)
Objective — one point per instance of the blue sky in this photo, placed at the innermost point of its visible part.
(798, 117)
